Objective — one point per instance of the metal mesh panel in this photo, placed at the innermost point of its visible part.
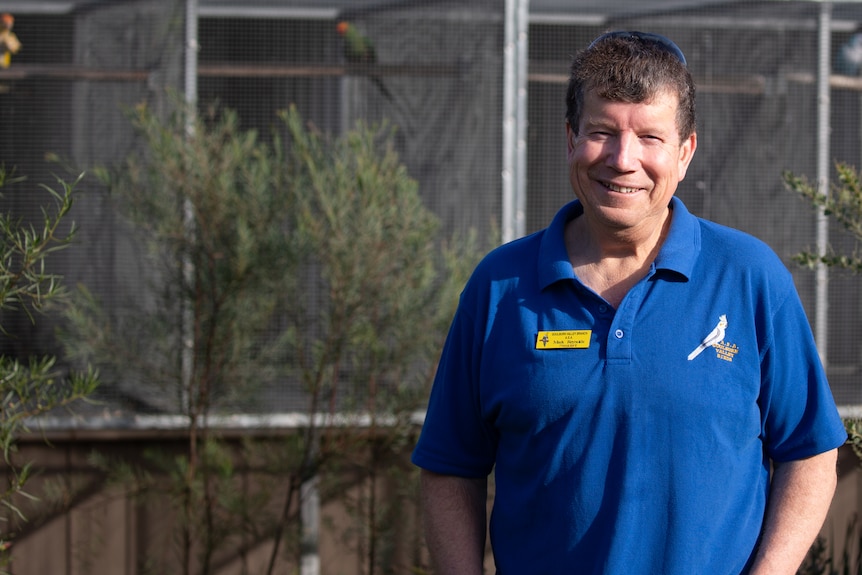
(440, 65)
(437, 78)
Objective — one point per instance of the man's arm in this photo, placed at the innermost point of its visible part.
(454, 518)
(799, 498)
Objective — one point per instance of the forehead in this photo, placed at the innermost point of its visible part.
(661, 108)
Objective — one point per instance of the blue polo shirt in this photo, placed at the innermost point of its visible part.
(617, 446)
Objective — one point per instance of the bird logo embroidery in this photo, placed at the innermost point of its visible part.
(715, 336)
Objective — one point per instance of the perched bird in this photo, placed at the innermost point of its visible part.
(848, 59)
(715, 336)
(9, 43)
(359, 49)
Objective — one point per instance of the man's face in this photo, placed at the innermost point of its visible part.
(626, 161)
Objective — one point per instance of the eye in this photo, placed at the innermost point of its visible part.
(652, 139)
(598, 135)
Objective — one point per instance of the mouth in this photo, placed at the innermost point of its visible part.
(620, 189)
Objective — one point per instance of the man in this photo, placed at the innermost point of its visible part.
(643, 383)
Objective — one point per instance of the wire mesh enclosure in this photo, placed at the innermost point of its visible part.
(436, 73)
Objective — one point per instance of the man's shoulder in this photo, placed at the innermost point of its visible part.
(506, 268)
(514, 257)
(736, 246)
(736, 258)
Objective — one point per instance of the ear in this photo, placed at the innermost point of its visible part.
(570, 139)
(686, 153)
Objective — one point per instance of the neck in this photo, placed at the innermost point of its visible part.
(611, 263)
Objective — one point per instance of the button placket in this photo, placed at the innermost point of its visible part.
(619, 337)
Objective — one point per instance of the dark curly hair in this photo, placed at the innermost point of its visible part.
(624, 68)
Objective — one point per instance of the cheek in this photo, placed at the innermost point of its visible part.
(573, 173)
(582, 155)
(665, 166)
(576, 166)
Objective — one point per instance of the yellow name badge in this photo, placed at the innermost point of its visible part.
(569, 339)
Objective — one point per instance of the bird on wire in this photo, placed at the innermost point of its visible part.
(9, 43)
(359, 49)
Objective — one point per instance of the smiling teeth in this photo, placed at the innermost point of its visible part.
(621, 190)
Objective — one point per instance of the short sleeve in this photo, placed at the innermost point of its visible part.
(455, 439)
(799, 415)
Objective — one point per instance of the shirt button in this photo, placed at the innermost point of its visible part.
(619, 334)
(603, 308)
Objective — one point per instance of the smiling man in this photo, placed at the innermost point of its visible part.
(643, 383)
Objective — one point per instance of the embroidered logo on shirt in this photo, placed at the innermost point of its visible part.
(725, 351)
(568, 339)
(713, 339)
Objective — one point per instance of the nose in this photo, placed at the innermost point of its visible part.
(623, 152)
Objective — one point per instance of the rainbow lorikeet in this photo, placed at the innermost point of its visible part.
(359, 49)
(9, 43)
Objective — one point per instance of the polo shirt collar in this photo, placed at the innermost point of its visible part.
(678, 254)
